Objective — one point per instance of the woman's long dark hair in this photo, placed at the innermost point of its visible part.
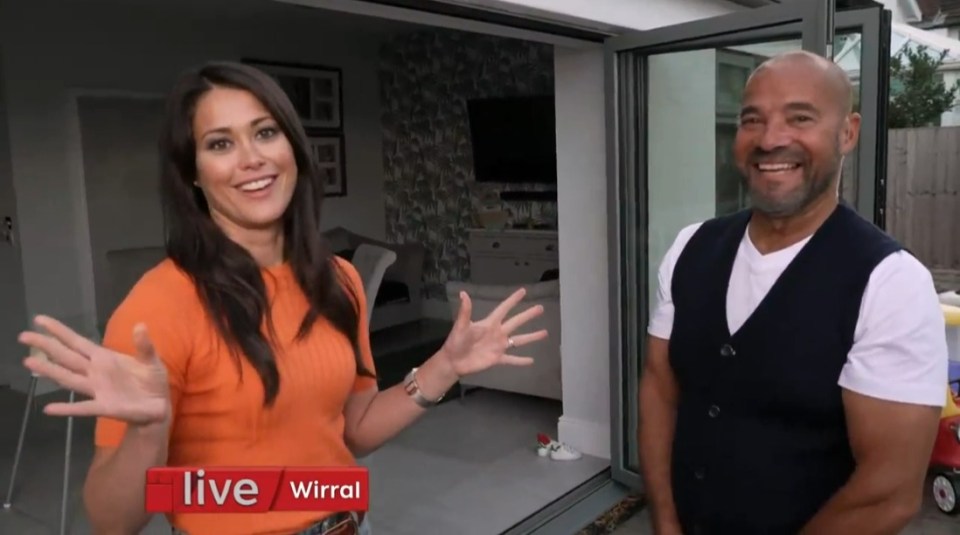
(228, 279)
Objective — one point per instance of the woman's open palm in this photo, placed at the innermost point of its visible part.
(474, 346)
(129, 388)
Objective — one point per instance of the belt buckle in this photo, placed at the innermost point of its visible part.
(345, 524)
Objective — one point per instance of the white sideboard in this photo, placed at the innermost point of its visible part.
(512, 256)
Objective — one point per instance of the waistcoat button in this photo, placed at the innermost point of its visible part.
(714, 411)
(727, 350)
(699, 474)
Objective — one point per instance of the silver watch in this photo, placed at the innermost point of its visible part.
(412, 388)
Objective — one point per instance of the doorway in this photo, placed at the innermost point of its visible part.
(669, 84)
(693, 71)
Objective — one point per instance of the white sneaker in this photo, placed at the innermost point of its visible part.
(544, 445)
(547, 447)
(563, 452)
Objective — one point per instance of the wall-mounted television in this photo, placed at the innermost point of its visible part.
(514, 139)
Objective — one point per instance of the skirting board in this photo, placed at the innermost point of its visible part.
(591, 438)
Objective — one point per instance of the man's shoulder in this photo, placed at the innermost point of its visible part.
(901, 272)
(687, 232)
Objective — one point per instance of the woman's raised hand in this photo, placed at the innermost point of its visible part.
(474, 346)
(129, 388)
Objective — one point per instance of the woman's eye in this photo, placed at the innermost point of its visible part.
(267, 132)
(218, 144)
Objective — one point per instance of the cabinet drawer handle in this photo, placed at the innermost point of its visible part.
(496, 245)
(550, 247)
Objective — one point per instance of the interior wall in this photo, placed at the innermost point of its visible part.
(123, 210)
(431, 196)
(582, 249)
(12, 309)
(140, 47)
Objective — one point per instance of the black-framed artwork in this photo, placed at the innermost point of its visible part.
(328, 151)
(316, 91)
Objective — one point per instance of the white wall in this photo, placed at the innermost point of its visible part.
(50, 46)
(582, 249)
(951, 76)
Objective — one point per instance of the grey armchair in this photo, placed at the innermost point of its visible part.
(399, 298)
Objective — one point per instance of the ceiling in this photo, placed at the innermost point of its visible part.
(263, 10)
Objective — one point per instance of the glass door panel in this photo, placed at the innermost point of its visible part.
(674, 99)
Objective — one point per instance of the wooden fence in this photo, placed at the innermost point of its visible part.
(923, 197)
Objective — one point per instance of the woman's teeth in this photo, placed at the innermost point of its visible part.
(257, 184)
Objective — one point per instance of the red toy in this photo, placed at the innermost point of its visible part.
(945, 461)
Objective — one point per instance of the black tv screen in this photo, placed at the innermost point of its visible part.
(514, 139)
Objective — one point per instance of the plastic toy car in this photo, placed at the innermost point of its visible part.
(945, 460)
(946, 456)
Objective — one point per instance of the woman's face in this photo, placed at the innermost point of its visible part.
(245, 164)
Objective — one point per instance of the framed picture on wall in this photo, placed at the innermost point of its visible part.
(328, 151)
(316, 91)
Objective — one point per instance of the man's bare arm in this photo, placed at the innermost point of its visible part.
(657, 415)
(892, 443)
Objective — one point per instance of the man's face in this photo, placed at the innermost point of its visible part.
(794, 131)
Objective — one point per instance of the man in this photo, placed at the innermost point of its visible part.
(797, 357)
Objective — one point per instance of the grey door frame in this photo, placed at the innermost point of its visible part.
(626, 80)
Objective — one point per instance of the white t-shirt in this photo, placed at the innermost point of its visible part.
(899, 348)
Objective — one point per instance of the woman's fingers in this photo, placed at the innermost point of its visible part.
(56, 351)
(507, 305)
(519, 319)
(516, 361)
(465, 314)
(67, 336)
(58, 374)
(88, 407)
(527, 338)
(141, 339)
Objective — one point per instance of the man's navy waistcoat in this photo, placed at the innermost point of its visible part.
(760, 441)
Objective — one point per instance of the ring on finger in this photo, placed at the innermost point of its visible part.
(511, 342)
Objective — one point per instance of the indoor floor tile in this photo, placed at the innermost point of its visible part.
(465, 467)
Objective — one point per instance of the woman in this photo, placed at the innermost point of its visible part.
(249, 344)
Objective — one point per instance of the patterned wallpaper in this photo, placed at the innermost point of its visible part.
(431, 196)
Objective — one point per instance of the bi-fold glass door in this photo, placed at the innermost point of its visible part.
(673, 101)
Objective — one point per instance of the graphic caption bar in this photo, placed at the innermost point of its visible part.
(256, 489)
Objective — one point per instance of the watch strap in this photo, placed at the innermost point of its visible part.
(412, 388)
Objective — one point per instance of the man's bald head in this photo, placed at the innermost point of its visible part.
(815, 69)
(796, 126)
